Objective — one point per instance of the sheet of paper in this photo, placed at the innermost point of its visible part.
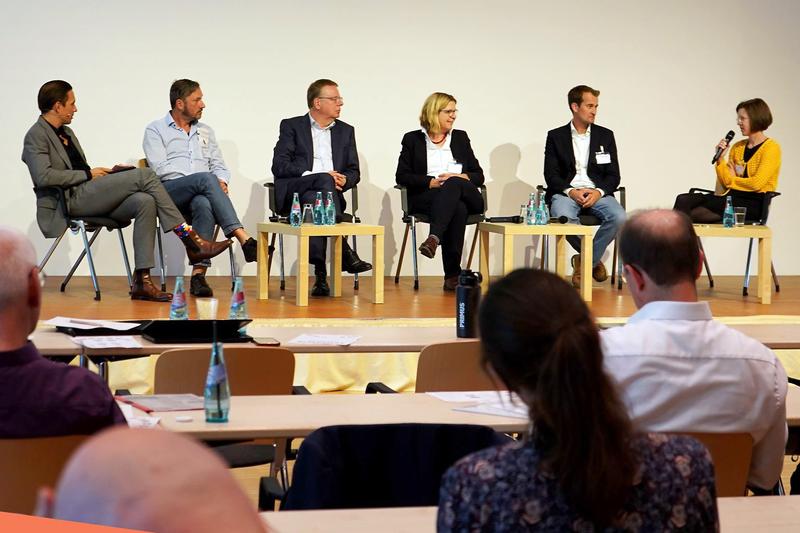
(470, 396)
(85, 323)
(497, 409)
(135, 421)
(111, 341)
(325, 340)
(164, 402)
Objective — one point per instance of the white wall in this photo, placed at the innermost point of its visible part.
(670, 73)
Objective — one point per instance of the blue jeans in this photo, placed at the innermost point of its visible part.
(607, 209)
(204, 204)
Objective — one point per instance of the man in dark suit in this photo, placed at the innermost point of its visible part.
(582, 172)
(316, 152)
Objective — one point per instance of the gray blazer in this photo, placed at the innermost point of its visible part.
(49, 166)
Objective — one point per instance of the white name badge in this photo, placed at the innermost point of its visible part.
(602, 158)
(454, 168)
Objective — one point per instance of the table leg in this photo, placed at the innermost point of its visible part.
(765, 270)
(586, 267)
(336, 267)
(377, 268)
(301, 298)
(483, 261)
(508, 254)
(262, 266)
(561, 255)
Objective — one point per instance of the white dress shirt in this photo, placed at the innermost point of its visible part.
(679, 370)
(439, 157)
(580, 147)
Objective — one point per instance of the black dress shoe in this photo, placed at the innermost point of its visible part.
(198, 286)
(321, 287)
(428, 248)
(250, 250)
(352, 263)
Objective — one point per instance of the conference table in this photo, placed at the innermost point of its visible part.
(779, 514)
(254, 417)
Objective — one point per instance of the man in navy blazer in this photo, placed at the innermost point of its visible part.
(582, 172)
(317, 152)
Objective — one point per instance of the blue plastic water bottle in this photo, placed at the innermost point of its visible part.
(178, 309)
(295, 216)
(727, 216)
(319, 210)
(330, 210)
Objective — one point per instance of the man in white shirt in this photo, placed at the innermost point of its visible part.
(581, 169)
(677, 368)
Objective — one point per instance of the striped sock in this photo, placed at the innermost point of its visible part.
(182, 230)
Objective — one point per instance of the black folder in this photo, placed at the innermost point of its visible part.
(194, 331)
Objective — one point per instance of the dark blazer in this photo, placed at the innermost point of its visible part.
(559, 160)
(294, 154)
(412, 167)
(49, 165)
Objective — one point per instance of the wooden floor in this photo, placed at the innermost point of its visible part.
(401, 300)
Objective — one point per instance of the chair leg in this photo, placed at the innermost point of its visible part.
(705, 263)
(775, 277)
(271, 251)
(619, 267)
(402, 252)
(413, 223)
(614, 260)
(280, 256)
(472, 248)
(77, 262)
(747, 268)
(233, 269)
(52, 249)
(87, 246)
(125, 257)
(355, 276)
(161, 266)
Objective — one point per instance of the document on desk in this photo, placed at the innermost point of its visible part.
(113, 341)
(502, 408)
(471, 396)
(134, 421)
(83, 323)
(164, 402)
(324, 340)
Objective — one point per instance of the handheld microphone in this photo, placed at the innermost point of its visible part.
(728, 139)
(559, 220)
(516, 219)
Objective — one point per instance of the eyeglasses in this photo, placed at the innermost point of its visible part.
(337, 99)
(450, 112)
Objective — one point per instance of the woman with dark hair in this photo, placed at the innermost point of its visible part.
(582, 467)
(442, 175)
(751, 170)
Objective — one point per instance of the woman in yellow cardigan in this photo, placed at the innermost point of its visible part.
(751, 169)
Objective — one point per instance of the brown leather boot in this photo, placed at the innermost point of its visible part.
(198, 249)
(143, 288)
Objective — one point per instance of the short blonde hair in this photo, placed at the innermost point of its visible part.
(429, 116)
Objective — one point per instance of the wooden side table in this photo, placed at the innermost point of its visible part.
(303, 232)
(748, 231)
(560, 231)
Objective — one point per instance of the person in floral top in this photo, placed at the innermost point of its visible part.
(581, 467)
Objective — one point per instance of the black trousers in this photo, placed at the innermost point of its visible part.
(307, 187)
(753, 201)
(448, 208)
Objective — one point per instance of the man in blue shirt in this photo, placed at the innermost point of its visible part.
(185, 155)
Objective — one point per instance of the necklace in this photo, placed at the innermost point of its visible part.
(444, 136)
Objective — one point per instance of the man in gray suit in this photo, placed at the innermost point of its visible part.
(55, 159)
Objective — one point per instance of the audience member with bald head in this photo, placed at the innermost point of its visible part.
(150, 480)
(39, 397)
(677, 368)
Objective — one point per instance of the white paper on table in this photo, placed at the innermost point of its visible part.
(110, 341)
(83, 323)
(470, 396)
(325, 340)
(134, 421)
(497, 409)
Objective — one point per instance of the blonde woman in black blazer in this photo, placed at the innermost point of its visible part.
(442, 175)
